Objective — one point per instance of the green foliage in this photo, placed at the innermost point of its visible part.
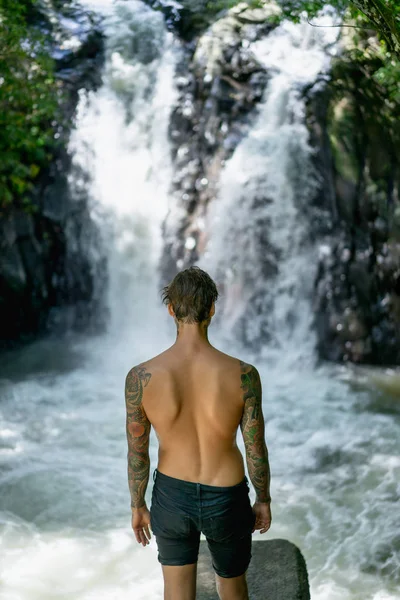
(388, 77)
(381, 15)
(365, 47)
(293, 9)
(215, 6)
(364, 124)
(28, 104)
(374, 52)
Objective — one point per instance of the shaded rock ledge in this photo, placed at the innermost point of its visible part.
(277, 571)
(357, 290)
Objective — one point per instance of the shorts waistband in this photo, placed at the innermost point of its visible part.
(192, 486)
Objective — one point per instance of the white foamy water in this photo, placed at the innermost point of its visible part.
(64, 501)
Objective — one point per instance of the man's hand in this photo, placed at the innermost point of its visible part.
(140, 525)
(262, 510)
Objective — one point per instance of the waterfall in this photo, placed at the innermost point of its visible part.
(65, 526)
(121, 142)
(259, 238)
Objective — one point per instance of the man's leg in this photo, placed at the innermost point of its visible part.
(232, 588)
(180, 582)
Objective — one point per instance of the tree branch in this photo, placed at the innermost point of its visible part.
(385, 20)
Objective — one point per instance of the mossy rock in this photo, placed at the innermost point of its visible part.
(195, 16)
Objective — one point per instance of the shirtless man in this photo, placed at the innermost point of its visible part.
(196, 397)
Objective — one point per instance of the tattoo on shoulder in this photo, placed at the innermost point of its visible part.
(136, 380)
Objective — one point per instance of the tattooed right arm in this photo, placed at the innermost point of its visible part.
(138, 434)
(252, 428)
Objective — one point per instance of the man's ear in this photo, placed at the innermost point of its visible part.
(171, 310)
(212, 310)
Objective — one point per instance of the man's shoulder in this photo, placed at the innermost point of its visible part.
(137, 377)
(251, 381)
(142, 380)
(247, 368)
(147, 368)
(228, 358)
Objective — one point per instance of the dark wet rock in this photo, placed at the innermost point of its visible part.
(356, 308)
(187, 18)
(190, 18)
(357, 288)
(41, 270)
(78, 51)
(44, 263)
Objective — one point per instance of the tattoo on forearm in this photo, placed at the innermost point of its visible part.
(252, 427)
(138, 434)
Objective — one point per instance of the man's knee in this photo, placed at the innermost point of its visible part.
(232, 588)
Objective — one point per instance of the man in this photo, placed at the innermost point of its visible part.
(196, 397)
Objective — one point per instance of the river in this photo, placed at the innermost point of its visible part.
(334, 446)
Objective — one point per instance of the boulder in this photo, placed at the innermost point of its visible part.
(277, 571)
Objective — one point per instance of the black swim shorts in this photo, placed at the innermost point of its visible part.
(181, 510)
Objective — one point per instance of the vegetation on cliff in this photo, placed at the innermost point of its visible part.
(28, 103)
(374, 27)
(49, 50)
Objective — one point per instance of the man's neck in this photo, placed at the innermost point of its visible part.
(190, 335)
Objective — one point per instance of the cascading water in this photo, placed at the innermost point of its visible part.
(259, 244)
(64, 503)
(121, 140)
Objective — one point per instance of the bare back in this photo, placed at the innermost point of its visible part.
(194, 401)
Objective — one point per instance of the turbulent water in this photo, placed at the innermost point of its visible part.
(64, 504)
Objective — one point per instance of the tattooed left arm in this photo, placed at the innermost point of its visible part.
(138, 435)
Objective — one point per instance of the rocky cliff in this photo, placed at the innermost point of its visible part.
(43, 258)
(353, 120)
